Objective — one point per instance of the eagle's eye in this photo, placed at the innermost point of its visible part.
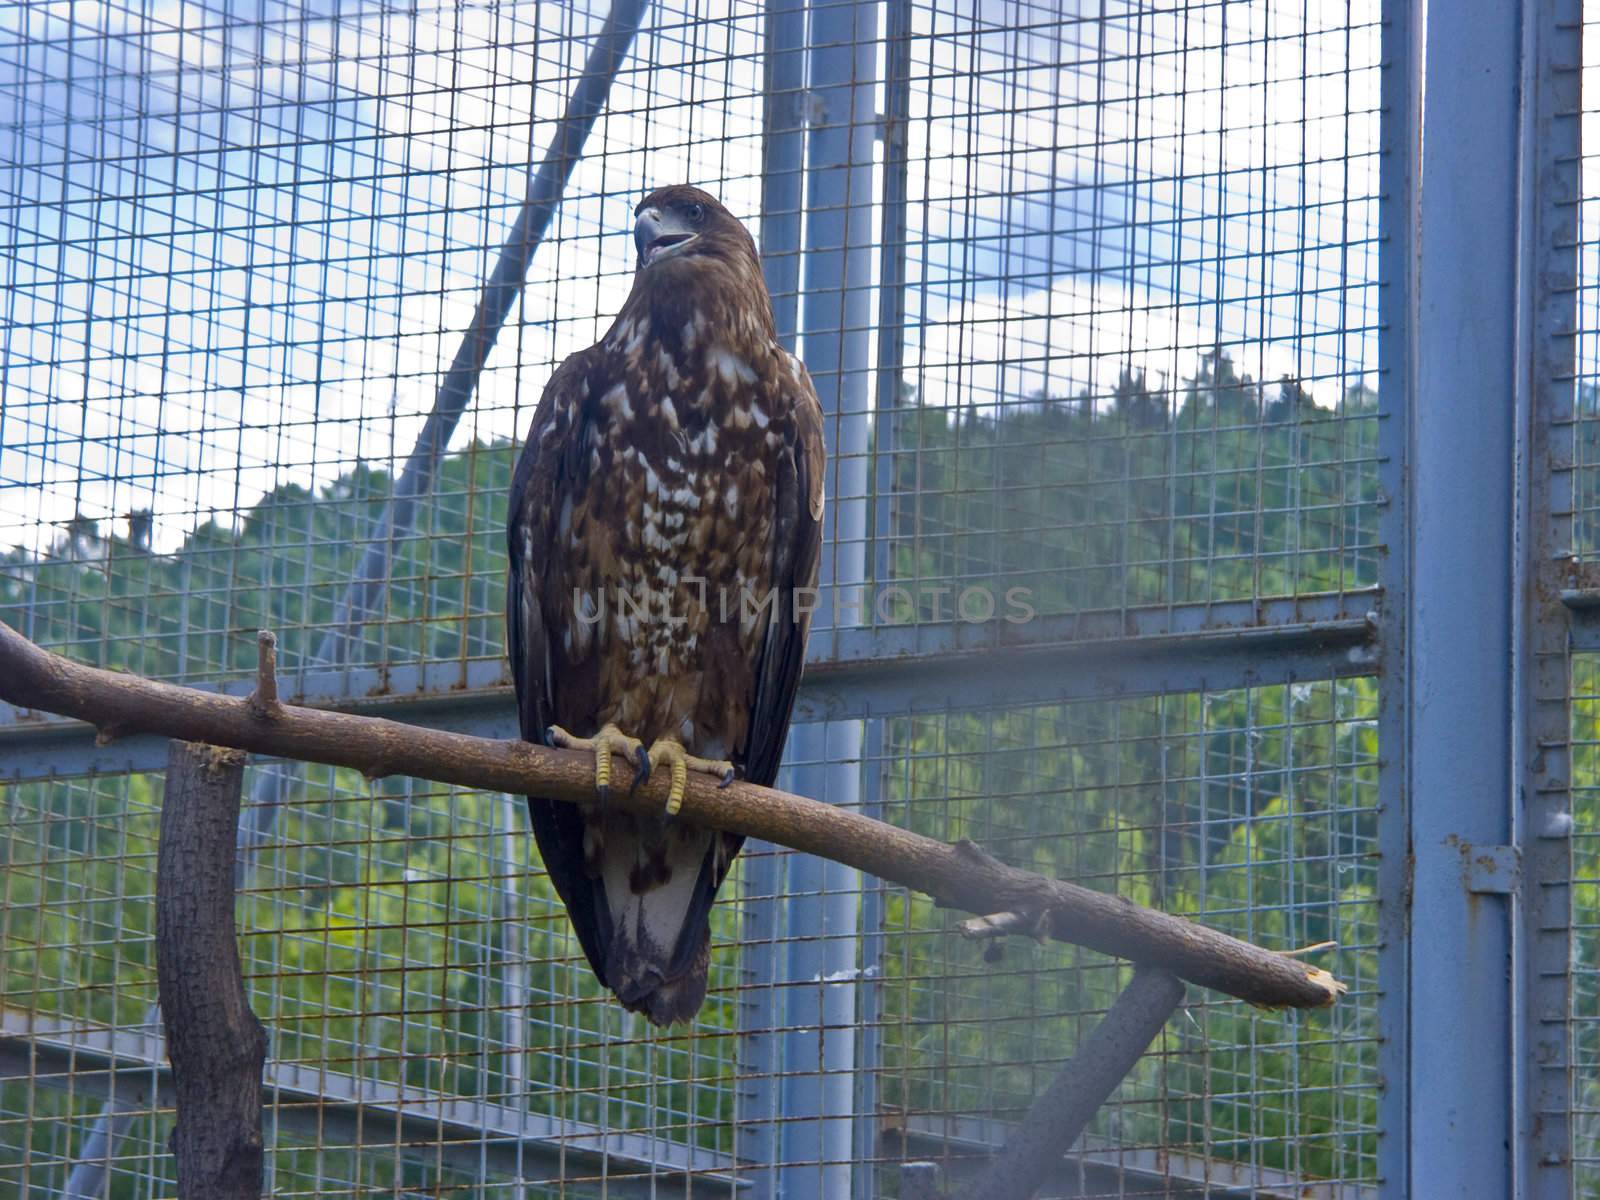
(696, 212)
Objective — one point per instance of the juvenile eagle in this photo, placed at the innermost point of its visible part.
(663, 535)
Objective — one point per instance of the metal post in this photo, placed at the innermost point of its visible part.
(822, 918)
(891, 278)
(869, 994)
(821, 923)
(1451, 313)
(514, 951)
(1547, 233)
(1402, 110)
(756, 1128)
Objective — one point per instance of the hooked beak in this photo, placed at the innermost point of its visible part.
(657, 235)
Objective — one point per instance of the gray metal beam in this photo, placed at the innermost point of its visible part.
(336, 1109)
(879, 673)
(758, 1104)
(891, 321)
(821, 910)
(1449, 1131)
(1277, 625)
(1583, 620)
(1052, 670)
(1103, 1168)
(1401, 103)
(1547, 234)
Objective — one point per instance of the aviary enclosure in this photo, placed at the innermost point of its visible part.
(1214, 504)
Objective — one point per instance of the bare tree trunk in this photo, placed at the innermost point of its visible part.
(216, 1045)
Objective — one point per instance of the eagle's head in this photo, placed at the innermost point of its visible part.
(681, 224)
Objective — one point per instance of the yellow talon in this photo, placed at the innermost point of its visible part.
(610, 740)
(680, 782)
(680, 762)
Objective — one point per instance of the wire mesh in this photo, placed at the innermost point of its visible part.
(242, 245)
(410, 962)
(1585, 1004)
(1133, 365)
(1252, 811)
(1141, 309)
(407, 955)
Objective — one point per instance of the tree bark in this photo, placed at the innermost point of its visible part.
(216, 1045)
(960, 876)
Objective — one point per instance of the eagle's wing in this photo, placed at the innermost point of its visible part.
(533, 595)
(797, 543)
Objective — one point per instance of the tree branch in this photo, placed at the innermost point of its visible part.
(264, 700)
(216, 1045)
(960, 876)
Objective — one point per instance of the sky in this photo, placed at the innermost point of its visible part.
(242, 239)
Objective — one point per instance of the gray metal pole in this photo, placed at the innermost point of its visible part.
(1455, 298)
(1099, 1064)
(821, 925)
(822, 921)
(869, 988)
(1402, 113)
(93, 1165)
(756, 1128)
(416, 477)
(1546, 237)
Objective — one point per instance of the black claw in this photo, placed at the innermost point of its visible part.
(550, 736)
(641, 772)
(602, 798)
(727, 777)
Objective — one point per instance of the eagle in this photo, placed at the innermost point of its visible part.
(663, 537)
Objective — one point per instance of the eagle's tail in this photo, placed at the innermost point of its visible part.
(658, 882)
(641, 988)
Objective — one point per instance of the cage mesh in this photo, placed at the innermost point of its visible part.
(1141, 314)
(1251, 811)
(243, 245)
(405, 951)
(1584, 1026)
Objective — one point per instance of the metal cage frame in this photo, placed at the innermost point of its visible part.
(1483, 599)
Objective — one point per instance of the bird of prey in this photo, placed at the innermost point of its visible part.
(664, 536)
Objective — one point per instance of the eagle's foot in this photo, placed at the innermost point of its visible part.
(610, 740)
(680, 762)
